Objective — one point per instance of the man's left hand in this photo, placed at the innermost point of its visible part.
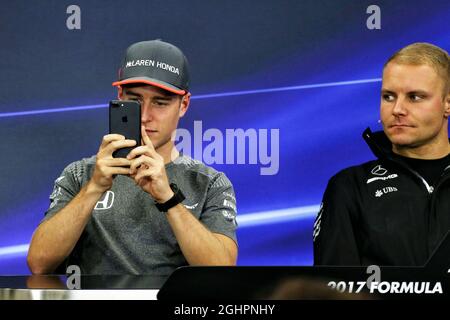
(148, 170)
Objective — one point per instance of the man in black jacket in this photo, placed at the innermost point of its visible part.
(395, 210)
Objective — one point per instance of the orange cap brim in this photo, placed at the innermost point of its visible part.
(152, 83)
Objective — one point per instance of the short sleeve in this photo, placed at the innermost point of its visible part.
(219, 212)
(65, 188)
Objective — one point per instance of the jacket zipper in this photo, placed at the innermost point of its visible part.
(429, 188)
(432, 241)
(441, 181)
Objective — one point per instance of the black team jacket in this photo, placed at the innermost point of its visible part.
(381, 212)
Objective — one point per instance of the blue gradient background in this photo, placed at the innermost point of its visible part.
(232, 46)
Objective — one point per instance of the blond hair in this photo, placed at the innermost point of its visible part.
(425, 53)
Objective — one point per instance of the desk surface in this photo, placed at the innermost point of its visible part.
(54, 287)
(65, 294)
(99, 282)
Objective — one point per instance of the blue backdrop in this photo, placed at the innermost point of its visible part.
(309, 68)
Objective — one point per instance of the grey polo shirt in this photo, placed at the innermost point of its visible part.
(127, 234)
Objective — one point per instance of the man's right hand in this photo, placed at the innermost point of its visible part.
(56, 237)
(106, 167)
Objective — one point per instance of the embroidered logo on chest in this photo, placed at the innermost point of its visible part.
(379, 171)
(380, 192)
(106, 202)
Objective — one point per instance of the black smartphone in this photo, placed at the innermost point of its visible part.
(125, 119)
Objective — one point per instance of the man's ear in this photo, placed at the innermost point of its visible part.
(184, 105)
(119, 92)
(447, 106)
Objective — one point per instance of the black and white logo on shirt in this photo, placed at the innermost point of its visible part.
(106, 202)
(380, 171)
(192, 207)
(380, 192)
(318, 222)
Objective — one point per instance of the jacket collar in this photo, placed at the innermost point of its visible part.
(379, 143)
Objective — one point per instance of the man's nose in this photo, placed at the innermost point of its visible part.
(400, 107)
(146, 112)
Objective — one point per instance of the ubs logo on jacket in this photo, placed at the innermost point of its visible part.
(384, 191)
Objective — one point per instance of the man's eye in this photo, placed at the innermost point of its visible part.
(160, 103)
(415, 97)
(388, 97)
